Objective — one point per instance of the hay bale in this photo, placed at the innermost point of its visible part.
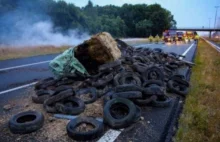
(100, 49)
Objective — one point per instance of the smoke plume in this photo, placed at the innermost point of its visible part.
(28, 25)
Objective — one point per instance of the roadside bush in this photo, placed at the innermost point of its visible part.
(151, 38)
(157, 39)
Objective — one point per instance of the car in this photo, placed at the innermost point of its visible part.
(180, 36)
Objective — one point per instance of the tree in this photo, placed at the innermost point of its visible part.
(138, 20)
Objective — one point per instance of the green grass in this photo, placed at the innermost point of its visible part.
(200, 120)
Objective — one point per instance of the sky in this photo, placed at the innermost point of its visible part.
(187, 13)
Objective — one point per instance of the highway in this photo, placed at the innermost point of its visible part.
(17, 75)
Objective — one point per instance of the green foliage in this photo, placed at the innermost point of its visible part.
(151, 38)
(138, 20)
(157, 38)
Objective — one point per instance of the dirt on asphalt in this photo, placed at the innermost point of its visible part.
(52, 130)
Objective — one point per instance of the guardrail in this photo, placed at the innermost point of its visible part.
(211, 44)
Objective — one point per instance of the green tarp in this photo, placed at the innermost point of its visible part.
(66, 64)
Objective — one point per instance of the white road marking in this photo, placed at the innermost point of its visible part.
(21, 66)
(110, 136)
(17, 88)
(213, 45)
(187, 50)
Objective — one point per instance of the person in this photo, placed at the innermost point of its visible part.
(196, 38)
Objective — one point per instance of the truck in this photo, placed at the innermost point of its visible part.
(169, 35)
(180, 36)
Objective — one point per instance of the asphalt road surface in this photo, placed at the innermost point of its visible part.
(18, 74)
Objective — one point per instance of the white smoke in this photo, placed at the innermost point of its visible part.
(42, 33)
(29, 25)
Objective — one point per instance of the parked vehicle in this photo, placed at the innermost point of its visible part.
(169, 36)
(180, 36)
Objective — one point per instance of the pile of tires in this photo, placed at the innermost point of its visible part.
(141, 77)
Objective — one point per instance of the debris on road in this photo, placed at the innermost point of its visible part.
(121, 79)
(7, 107)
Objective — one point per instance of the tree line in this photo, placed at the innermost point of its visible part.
(140, 20)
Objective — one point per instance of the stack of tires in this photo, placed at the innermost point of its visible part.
(141, 77)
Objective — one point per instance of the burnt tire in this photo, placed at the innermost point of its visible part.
(109, 66)
(108, 96)
(128, 95)
(149, 83)
(103, 81)
(88, 135)
(176, 87)
(147, 100)
(153, 73)
(127, 87)
(77, 106)
(91, 91)
(127, 78)
(153, 90)
(117, 104)
(138, 114)
(165, 101)
(42, 84)
(39, 99)
(62, 88)
(49, 104)
(42, 92)
(140, 67)
(26, 122)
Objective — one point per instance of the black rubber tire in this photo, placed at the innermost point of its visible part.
(174, 54)
(140, 67)
(172, 67)
(153, 90)
(159, 50)
(92, 91)
(43, 92)
(108, 96)
(157, 71)
(166, 102)
(121, 78)
(48, 84)
(171, 88)
(149, 83)
(39, 99)
(64, 82)
(145, 101)
(123, 122)
(63, 108)
(109, 66)
(26, 122)
(49, 104)
(42, 84)
(50, 108)
(138, 59)
(127, 87)
(84, 136)
(62, 88)
(138, 114)
(128, 95)
(180, 80)
(103, 81)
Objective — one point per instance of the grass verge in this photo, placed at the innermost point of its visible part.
(15, 52)
(216, 40)
(200, 120)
